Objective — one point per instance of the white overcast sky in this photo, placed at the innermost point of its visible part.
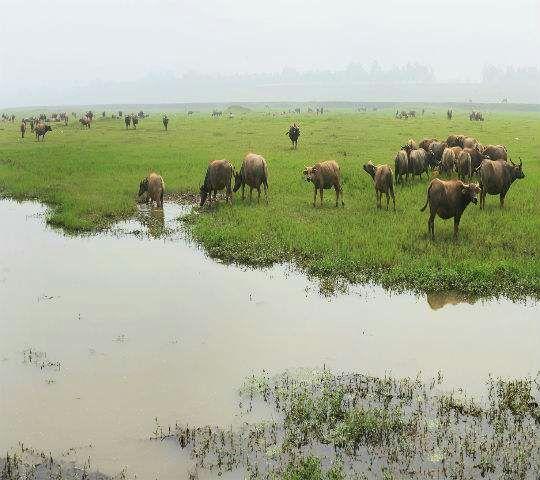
(69, 41)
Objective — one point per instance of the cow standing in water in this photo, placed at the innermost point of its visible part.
(294, 134)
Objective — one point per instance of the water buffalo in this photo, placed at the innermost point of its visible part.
(476, 156)
(469, 142)
(463, 165)
(165, 122)
(436, 150)
(426, 142)
(127, 121)
(401, 165)
(294, 133)
(41, 129)
(447, 199)
(411, 144)
(496, 177)
(495, 152)
(153, 187)
(455, 141)
(325, 175)
(23, 129)
(448, 160)
(134, 121)
(417, 162)
(85, 122)
(218, 176)
(383, 180)
(253, 173)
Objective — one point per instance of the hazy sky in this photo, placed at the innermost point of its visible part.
(67, 41)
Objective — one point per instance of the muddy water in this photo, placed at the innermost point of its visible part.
(124, 328)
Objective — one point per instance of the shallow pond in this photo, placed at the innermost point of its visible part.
(102, 334)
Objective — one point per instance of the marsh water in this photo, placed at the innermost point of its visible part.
(101, 335)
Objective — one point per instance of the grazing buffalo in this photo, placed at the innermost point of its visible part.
(426, 142)
(449, 114)
(165, 122)
(253, 173)
(294, 134)
(127, 120)
(447, 199)
(436, 150)
(383, 180)
(134, 121)
(457, 151)
(469, 142)
(411, 144)
(463, 165)
(218, 176)
(153, 188)
(455, 141)
(23, 129)
(401, 165)
(495, 152)
(448, 160)
(41, 129)
(496, 177)
(476, 156)
(85, 122)
(325, 175)
(417, 162)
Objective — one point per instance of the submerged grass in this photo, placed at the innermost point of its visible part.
(90, 178)
(335, 426)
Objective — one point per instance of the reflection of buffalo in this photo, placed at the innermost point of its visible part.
(437, 300)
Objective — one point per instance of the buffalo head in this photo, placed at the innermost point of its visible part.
(370, 169)
(470, 192)
(143, 186)
(517, 170)
(309, 174)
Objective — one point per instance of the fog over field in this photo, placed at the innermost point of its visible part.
(72, 51)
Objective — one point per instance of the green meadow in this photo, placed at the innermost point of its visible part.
(90, 179)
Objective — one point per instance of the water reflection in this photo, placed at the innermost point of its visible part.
(439, 300)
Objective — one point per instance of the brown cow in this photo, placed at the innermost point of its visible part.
(23, 129)
(457, 151)
(469, 142)
(434, 156)
(401, 165)
(383, 180)
(153, 186)
(425, 143)
(446, 165)
(253, 173)
(325, 175)
(476, 156)
(495, 152)
(455, 141)
(463, 165)
(496, 177)
(417, 162)
(218, 176)
(41, 129)
(447, 199)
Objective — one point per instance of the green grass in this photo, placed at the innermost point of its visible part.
(90, 178)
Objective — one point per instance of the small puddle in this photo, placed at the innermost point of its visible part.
(104, 334)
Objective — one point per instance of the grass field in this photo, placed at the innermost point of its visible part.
(90, 179)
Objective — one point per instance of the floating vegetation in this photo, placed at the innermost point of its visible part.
(336, 426)
(27, 464)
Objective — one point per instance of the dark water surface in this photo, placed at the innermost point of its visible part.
(99, 335)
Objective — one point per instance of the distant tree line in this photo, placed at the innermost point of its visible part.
(493, 74)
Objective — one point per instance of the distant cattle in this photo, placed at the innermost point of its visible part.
(294, 134)
(383, 181)
(151, 189)
(23, 129)
(496, 177)
(165, 122)
(127, 121)
(449, 199)
(476, 117)
(85, 122)
(325, 175)
(40, 130)
(218, 177)
(134, 121)
(449, 114)
(253, 173)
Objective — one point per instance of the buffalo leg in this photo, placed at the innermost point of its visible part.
(501, 198)
(456, 226)
(259, 194)
(387, 200)
(243, 193)
(431, 225)
(393, 198)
